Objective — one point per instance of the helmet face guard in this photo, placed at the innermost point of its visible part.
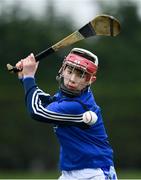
(82, 60)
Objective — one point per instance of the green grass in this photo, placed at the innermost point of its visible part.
(29, 175)
(122, 174)
(129, 174)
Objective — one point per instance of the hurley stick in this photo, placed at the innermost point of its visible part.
(104, 25)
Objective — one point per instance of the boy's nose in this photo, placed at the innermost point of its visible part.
(73, 77)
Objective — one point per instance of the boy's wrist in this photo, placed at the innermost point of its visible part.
(28, 76)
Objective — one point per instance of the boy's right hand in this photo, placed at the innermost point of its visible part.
(19, 66)
(28, 66)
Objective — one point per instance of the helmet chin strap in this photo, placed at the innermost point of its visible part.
(66, 91)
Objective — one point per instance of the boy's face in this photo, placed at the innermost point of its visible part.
(75, 79)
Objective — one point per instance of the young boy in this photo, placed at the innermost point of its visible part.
(85, 152)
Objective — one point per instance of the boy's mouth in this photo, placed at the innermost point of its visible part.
(71, 87)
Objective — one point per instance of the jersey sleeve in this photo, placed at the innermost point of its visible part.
(41, 107)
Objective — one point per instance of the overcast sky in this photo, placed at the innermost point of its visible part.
(76, 9)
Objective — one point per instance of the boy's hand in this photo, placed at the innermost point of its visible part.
(28, 66)
(19, 66)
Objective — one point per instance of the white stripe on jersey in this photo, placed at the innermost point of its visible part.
(43, 112)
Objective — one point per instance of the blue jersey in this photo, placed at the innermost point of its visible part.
(81, 146)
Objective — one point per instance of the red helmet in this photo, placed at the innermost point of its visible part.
(82, 59)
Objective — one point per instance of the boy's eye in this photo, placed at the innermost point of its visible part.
(78, 72)
(69, 71)
(82, 75)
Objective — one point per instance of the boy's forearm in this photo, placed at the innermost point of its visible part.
(28, 83)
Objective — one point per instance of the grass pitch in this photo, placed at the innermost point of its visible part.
(122, 174)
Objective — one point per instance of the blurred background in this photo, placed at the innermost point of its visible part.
(29, 149)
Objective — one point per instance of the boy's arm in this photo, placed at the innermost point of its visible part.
(37, 110)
